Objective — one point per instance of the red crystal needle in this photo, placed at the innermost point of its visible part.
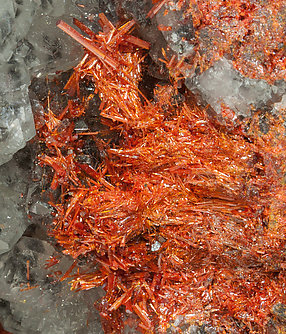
(87, 44)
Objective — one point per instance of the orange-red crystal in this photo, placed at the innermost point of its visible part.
(180, 219)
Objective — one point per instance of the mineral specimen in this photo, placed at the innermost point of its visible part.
(180, 220)
(183, 221)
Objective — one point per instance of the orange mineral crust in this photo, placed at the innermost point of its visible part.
(250, 33)
(182, 222)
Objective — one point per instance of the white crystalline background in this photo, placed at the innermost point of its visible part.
(30, 44)
(49, 307)
(222, 85)
(13, 221)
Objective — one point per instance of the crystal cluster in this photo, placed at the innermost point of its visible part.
(151, 187)
(169, 191)
(215, 38)
(32, 297)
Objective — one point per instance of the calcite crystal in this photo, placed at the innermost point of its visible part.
(13, 220)
(36, 300)
(30, 45)
(222, 86)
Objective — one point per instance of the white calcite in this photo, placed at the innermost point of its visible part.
(281, 105)
(16, 122)
(30, 44)
(222, 85)
(176, 30)
(50, 307)
(13, 219)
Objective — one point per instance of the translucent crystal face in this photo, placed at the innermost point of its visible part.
(30, 45)
(31, 298)
(222, 85)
